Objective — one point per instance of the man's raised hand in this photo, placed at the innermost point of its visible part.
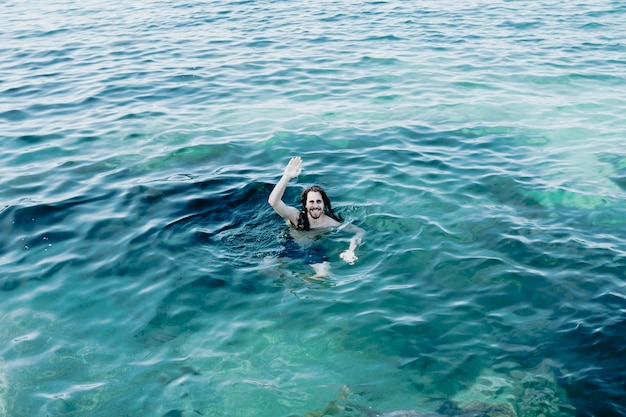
(294, 167)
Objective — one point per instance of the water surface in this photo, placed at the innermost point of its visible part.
(478, 143)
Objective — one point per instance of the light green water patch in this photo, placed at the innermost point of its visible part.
(388, 223)
(609, 217)
(107, 165)
(43, 380)
(179, 135)
(277, 370)
(70, 367)
(513, 135)
(282, 138)
(485, 131)
(187, 157)
(567, 199)
(4, 388)
(289, 143)
(560, 167)
(566, 137)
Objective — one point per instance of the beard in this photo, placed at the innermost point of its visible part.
(315, 213)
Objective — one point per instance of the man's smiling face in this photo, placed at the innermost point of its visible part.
(314, 204)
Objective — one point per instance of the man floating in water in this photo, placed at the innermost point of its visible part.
(316, 215)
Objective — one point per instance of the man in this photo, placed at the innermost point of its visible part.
(316, 214)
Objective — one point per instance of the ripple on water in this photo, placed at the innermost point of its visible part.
(140, 260)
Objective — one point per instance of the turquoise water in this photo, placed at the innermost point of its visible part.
(478, 143)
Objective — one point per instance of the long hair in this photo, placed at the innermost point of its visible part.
(303, 219)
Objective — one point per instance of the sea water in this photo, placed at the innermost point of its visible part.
(480, 145)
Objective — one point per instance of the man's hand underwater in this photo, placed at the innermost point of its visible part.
(349, 257)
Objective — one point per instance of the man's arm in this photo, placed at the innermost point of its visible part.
(292, 170)
(348, 255)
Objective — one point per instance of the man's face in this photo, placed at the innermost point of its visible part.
(314, 204)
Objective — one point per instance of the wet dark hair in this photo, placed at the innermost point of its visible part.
(303, 219)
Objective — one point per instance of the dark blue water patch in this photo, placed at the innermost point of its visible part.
(237, 221)
(230, 226)
(522, 25)
(29, 230)
(173, 413)
(46, 33)
(619, 178)
(43, 272)
(14, 115)
(379, 38)
(10, 284)
(141, 115)
(594, 354)
(18, 91)
(39, 139)
(605, 45)
(612, 158)
(618, 8)
(50, 237)
(223, 196)
(592, 26)
(68, 108)
(27, 218)
(617, 162)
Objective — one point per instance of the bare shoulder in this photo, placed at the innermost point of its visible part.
(332, 222)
